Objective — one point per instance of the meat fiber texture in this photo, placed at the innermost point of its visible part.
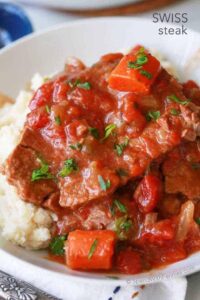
(22, 223)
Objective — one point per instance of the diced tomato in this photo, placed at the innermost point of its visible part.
(148, 193)
(60, 91)
(90, 250)
(159, 232)
(42, 96)
(129, 262)
(139, 79)
(38, 118)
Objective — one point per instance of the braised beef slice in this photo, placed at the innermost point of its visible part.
(182, 171)
(19, 168)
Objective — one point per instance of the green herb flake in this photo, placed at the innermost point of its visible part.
(112, 210)
(77, 146)
(94, 132)
(127, 225)
(105, 185)
(109, 130)
(197, 220)
(42, 172)
(141, 50)
(84, 85)
(73, 84)
(174, 98)
(70, 165)
(48, 109)
(175, 112)
(92, 249)
(121, 207)
(58, 120)
(195, 165)
(57, 245)
(146, 74)
(133, 65)
(121, 172)
(123, 225)
(141, 60)
(119, 148)
(153, 115)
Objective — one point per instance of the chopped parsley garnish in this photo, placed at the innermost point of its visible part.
(109, 130)
(153, 115)
(121, 172)
(174, 98)
(122, 208)
(132, 65)
(119, 148)
(57, 245)
(141, 60)
(175, 112)
(146, 74)
(77, 146)
(123, 225)
(48, 109)
(70, 165)
(58, 120)
(104, 184)
(84, 85)
(42, 172)
(197, 220)
(141, 50)
(92, 249)
(195, 165)
(94, 132)
(126, 225)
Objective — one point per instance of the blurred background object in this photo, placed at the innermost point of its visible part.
(46, 13)
(44, 16)
(14, 23)
(101, 7)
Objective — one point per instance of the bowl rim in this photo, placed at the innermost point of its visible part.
(83, 21)
(122, 281)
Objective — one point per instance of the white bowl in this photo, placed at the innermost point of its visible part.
(89, 39)
(79, 4)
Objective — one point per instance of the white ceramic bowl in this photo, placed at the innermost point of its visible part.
(89, 39)
(79, 4)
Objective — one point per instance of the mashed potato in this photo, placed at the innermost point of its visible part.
(22, 223)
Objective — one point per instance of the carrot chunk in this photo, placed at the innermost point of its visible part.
(89, 250)
(136, 72)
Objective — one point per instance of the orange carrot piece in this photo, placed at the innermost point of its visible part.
(90, 250)
(136, 72)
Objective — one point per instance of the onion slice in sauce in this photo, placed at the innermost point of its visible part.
(185, 220)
